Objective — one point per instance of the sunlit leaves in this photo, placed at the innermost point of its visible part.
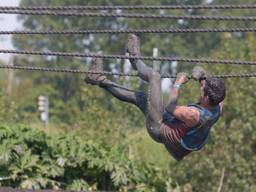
(33, 160)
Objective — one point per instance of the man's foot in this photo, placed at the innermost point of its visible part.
(95, 79)
(133, 48)
(198, 73)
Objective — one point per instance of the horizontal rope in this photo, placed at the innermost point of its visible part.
(76, 71)
(131, 15)
(62, 70)
(150, 58)
(77, 7)
(137, 31)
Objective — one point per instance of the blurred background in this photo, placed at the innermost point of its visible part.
(57, 132)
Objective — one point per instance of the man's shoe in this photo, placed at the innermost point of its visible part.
(198, 73)
(96, 66)
(133, 45)
(133, 48)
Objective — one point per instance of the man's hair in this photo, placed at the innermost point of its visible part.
(215, 89)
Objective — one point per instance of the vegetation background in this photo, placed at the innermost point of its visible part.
(95, 142)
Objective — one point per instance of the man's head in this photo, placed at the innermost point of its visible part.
(213, 90)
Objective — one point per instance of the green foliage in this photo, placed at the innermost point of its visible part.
(30, 159)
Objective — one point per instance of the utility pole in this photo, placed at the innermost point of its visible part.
(127, 69)
(10, 76)
(43, 107)
(156, 65)
(174, 68)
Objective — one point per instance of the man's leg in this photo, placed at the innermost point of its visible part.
(137, 98)
(155, 107)
(154, 101)
(133, 48)
(150, 105)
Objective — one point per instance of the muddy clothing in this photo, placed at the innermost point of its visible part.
(180, 139)
(163, 128)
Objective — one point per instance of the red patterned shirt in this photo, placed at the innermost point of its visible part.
(172, 132)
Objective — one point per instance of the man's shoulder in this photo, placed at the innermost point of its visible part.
(189, 115)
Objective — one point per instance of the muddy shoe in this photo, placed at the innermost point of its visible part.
(198, 73)
(95, 79)
(133, 45)
(133, 48)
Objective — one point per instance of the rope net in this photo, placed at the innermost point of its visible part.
(72, 11)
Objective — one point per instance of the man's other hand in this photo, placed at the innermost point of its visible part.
(198, 73)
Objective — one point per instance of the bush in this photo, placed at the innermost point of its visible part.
(30, 159)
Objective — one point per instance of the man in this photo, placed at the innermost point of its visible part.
(182, 129)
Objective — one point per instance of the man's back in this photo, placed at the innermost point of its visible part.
(196, 137)
(180, 139)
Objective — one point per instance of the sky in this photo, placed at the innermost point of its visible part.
(8, 22)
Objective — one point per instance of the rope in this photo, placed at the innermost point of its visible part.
(149, 7)
(137, 31)
(62, 70)
(127, 15)
(150, 58)
(77, 71)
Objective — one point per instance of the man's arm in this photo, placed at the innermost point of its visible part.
(189, 115)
